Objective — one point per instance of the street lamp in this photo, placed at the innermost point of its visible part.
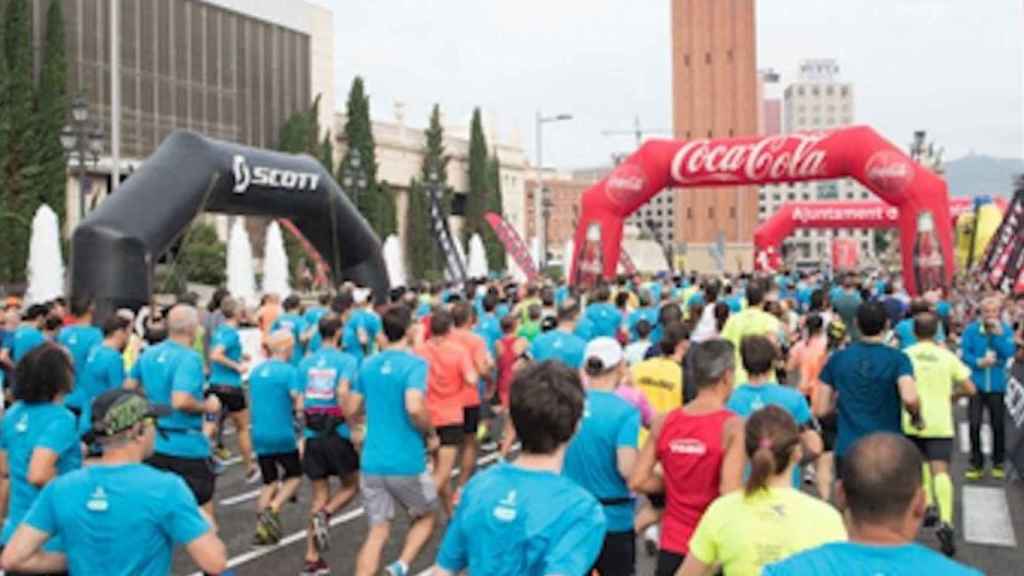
(539, 198)
(354, 177)
(82, 141)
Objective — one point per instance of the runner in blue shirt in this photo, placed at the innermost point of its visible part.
(602, 315)
(759, 356)
(885, 506)
(904, 329)
(28, 335)
(227, 366)
(276, 401)
(117, 517)
(562, 343)
(39, 436)
(646, 311)
(104, 368)
(603, 451)
(80, 339)
(326, 378)
(291, 320)
(171, 373)
(391, 389)
(526, 518)
(315, 313)
(361, 328)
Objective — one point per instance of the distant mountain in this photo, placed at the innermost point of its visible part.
(979, 175)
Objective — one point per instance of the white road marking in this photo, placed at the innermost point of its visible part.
(301, 535)
(243, 497)
(987, 516)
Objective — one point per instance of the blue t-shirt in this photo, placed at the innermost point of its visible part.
(271, 387)
(905, 333)
(559, 345)
(604, 318)
(748, 398)
(650, 314)
(561, 294)
(297, 325)
(837, 558)
(319, 377)
(79, 339)
(369, 323)
(164, 369)
(489, 328)
(393, 445)
(591, 460)
(511, 521)
(25, 428)
(103, 370)
(226, 337)
(314, 314)
(865, 375)
(118, 520)
(25, 340)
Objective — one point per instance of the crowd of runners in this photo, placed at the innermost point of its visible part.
(789, 424)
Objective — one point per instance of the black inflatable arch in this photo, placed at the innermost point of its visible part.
(114, 249)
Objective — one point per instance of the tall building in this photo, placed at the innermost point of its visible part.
(714, 95)
(230, 69)
(817, 100)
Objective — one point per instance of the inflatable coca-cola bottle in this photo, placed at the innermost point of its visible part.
(929, 266)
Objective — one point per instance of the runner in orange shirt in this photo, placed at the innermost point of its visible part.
(450, 371)
(476, 348)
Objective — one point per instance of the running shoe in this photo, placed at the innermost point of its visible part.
(931, 516)
(320, 524)
(222, 453)
(974, 474)
(273, 522)
(253, 475)
(998, 472)
(396, 569)
(318, 568)
(651, 536)
(946, 536)
(264, 535)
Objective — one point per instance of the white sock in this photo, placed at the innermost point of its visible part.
(652, 533)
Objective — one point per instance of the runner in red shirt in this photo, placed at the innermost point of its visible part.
(450, 370)
(476, 348)
(700, 449)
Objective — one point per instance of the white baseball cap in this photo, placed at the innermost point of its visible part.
(361, 295)
(602, 354)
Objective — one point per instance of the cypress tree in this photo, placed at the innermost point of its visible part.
(492, 245)
(6, 224)
(18, 169)
(479, 185)
(425, 259)
(51, 113)
(359, 136)
(387, 210)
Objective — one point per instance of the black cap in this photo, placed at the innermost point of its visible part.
(118, 410)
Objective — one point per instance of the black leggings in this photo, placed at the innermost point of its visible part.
(668, 563)
(993, 402)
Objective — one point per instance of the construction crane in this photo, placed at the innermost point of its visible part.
(637, 131)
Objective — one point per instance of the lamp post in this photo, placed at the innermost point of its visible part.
(82, 141)
(353, 177)
(540, 221)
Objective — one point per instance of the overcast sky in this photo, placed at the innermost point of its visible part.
(952, 67)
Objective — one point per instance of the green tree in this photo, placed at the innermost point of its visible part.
(495, 250)
(479, 183)
(19, 164)
(204, 256)
(424, 258)
(51, 111)
(359, 136)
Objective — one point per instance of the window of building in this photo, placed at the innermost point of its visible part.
(709, 133)
(829, 90)
(707, 57)
(777, 197)
(711, 212)
(844, 91)
(762, 209)
(732, 212)
(728, 56)
(731, 133)
(815, 91)
(689, 213)
(864, 195)
(686, 59)
(791, 196)
(864, 247)
(687, 134)
(800, 91)
(805, 196)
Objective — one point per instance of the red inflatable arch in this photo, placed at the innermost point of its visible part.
(792, 216)
(857, 152)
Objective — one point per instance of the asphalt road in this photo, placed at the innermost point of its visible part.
(994, 502)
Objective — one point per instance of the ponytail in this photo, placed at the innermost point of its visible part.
(771, 435)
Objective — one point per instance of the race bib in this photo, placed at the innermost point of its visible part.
(320, 384)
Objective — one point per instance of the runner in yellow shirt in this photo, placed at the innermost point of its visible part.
(660, 379)
(751, 321)
(940, 377)
(768, 521)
